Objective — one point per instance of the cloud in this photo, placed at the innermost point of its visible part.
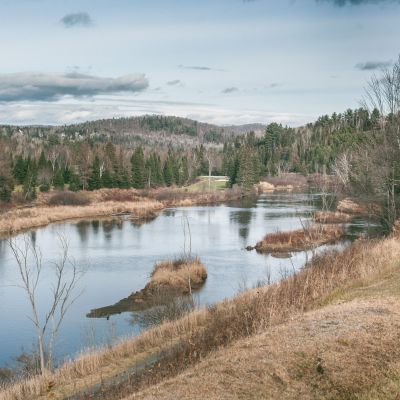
(81, 19)
(342, 3)
(48, 87)
(199, 68)
(372, 65)
(66, 112)
(174, 82)
(230, 90)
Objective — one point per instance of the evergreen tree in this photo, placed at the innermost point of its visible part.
(106, 179)
(58, 180)
(75, 183)
(29, 185)
(20, 170)
(94, 178)
(249, 168)
(6, 188)
(168, 172)
(138, 169)
(42, 163)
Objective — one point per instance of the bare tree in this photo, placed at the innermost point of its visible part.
(62, 293)
(383, 92)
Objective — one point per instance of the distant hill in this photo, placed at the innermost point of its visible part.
(148, 130)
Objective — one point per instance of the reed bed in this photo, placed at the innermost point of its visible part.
(181, 275)
(330, 217)
(299, 240)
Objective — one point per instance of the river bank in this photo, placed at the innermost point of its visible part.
(186, 348)
(136, 204)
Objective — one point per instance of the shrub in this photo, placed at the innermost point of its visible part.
(119, 195)
(67, 198)
(44, 187)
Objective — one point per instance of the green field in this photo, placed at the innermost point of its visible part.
(203, 185)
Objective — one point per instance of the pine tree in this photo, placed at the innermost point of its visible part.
(138, 169)
(42, 164)
(106, 179)
(75, 183)
(6, 188)
(58, 180)
(29, 185)
(249, 168)
(168, 172)
(20, 170)
(94, 178)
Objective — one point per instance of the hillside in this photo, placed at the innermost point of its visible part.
(163, 131)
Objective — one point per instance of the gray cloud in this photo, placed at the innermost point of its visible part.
(230, 90)
(77, 19)
(372, 65)
(199, 68)
(174, 83)
(48, 87)
(342, 3)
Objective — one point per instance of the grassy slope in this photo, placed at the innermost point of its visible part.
(346, 349)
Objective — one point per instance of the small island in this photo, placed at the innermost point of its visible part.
(169, 279)
(299, 240)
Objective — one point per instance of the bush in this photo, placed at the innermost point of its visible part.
(6, 188)
(119, 195)
(67, 198)
(44, 187)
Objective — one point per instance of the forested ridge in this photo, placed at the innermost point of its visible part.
(360, 147)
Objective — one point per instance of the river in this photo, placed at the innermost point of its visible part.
(118, 256)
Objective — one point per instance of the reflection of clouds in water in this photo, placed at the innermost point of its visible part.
(122, 254)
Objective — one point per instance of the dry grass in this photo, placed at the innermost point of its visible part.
(170, 279)
(19, 220)
(352, 206)
(299, 240)
(204, 331)
(178, 274)
(330, 217)
(103, 203)
(347, 351)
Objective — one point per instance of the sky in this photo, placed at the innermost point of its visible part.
(218, 61)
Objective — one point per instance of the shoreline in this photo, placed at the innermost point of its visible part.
(16, 221)
(194, 337)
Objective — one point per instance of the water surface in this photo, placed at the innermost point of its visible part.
(120, 256)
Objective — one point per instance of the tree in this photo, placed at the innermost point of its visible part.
(249, 168)
(75, 183)
(66, 276)
(138, 169)
(29, 186)
(169, 178)
(6, 188)
(94, 178)
(58, 180)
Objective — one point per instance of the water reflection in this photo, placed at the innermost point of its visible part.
(82, 228)
(122, 254)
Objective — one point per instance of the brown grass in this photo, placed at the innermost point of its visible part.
(177, 274)
(346, 351)
(353, 206)
(330, 217)
(103, 203)
(16, 221)
(170, 279)
(203, 331)
(299, 240)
